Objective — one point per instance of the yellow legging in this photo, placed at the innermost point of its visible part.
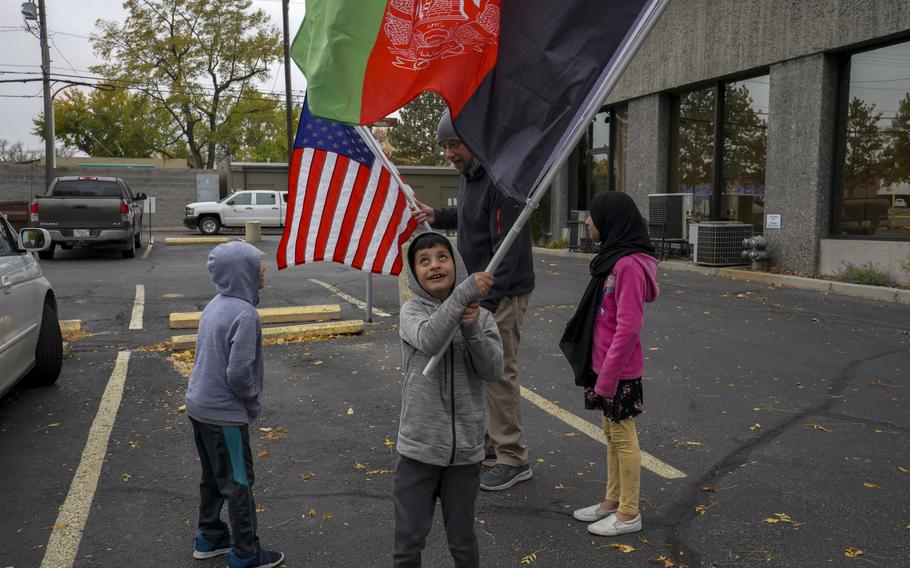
(623, 464)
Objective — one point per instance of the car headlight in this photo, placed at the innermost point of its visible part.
(189, 211)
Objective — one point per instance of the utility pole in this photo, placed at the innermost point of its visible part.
(50, 161)
(288, 110)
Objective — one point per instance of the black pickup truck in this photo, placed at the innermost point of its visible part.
(88, 211)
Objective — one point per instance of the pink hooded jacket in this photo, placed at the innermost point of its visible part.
(616, 353)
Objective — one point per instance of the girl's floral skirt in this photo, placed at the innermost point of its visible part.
(626, 403)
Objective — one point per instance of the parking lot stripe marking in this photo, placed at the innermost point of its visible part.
(148, 249)
(648, 461)
(67, 531)
(138, 307)
(348, 298)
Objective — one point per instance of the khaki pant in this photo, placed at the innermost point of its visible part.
(623, 464)
(503, 397)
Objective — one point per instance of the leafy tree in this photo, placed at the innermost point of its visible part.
(898, 152)
(863, 166)
(696, 138)
(116, 124)
(414, 139)
(195, 60)
(745, 139)
(257, 131)
(16, 152)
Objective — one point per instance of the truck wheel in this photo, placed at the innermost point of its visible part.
(129, 252)
(47, 254)
(49, 351)
(209, 225)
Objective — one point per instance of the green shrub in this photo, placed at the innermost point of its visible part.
(867, 274)
(558, 244)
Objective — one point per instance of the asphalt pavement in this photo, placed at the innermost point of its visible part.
(777, 420)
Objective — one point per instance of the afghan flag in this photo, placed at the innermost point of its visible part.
(517, 75)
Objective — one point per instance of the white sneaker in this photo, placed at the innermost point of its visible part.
(611, 526)
(592, 513)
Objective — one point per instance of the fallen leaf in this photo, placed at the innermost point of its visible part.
(559, 487)
(903, 469)
(690, 443)
(306, 476)
(261, 509)
(264, 454)
(706, 488)
(311, 512)
(664, 561)
(816, 427)
(851, 552)
(133, 444)
(359, 465)
(755, 426)
(350, 411)
(869, 485)
(327, 517)
(529, 558)
(700, 510)
(877, 430)
(126, 477)
(782, 518)
(624, 548)
(181, 409)
(389, 443)
(265, 429)
(879, 383)
(61, 526)
(571, 434)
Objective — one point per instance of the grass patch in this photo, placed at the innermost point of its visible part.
(558, 244)
(866, 274)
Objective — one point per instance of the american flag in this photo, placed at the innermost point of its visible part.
(344, 205)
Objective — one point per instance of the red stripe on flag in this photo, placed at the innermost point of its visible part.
(390, 233)
(282, 254)
(331, 202)
(366, 236)
(312, 187)
(350, 216)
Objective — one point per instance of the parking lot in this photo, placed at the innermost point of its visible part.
(777, 422)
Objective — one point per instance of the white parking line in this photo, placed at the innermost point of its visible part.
(648, 461)
(348, 298)
(67, 531)
(138, 307)
(148, 249)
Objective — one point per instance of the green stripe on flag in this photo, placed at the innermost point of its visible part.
(332, 49)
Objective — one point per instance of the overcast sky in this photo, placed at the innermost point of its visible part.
(70, 23)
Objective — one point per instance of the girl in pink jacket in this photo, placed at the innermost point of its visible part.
(603, 346)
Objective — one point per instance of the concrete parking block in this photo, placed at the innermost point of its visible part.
(290, 314)
(304, 331)
(196, 240)
(70, 326)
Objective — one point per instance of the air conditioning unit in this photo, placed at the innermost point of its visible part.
(720, 243)
(668, 215)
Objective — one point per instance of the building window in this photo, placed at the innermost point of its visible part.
(607, 146)
(727, 180)
(872, 188)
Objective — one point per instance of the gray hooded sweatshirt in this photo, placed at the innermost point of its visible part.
(227, 375)
(443, 416)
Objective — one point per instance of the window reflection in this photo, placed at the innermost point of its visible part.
(692, 149)
(875, 142)
(745, 151)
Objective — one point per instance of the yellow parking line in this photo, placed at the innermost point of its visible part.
(67, 532)
(648, 461)
(138, 307)
(148, 249)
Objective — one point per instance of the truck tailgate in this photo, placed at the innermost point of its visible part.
(79, 212)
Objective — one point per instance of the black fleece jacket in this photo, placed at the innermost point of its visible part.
(483, 218)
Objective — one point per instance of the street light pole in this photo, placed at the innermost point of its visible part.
(288, 110)
(50, 161)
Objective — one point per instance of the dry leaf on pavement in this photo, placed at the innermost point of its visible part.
(851, 552)
(624, 548)
(782, 518)
(529, 558)
(870, 485)
(816, 427)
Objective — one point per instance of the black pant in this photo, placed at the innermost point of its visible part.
(227, 473)
(414, 493)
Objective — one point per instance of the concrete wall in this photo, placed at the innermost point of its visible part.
(700, 40)
(649, 148)
(892, 257)
(172, 188)
(801, 139)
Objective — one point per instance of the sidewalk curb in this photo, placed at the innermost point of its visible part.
(876, 293)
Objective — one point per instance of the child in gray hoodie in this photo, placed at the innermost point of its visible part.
(442, 425)
(222, 399)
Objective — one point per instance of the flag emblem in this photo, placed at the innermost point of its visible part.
(344, 205)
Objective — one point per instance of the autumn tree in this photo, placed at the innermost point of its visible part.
(897, 155)
(413, 141)
(863, 168)
(115, 123)
(745, 139)
(195, 60)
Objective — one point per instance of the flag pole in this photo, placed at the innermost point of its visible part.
(368, 137)
(602, 88)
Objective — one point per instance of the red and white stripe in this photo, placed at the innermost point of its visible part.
(340, 210)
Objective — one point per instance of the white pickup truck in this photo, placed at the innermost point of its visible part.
(267, 207)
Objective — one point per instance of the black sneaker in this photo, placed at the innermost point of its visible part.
(208, 548)
(261, 559)
(503, 476)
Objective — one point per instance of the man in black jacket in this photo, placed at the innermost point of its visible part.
(483, 218)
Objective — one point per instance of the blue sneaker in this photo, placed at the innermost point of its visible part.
(262, 559)
(206, 548)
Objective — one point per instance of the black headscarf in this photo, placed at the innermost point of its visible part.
(622, 232)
